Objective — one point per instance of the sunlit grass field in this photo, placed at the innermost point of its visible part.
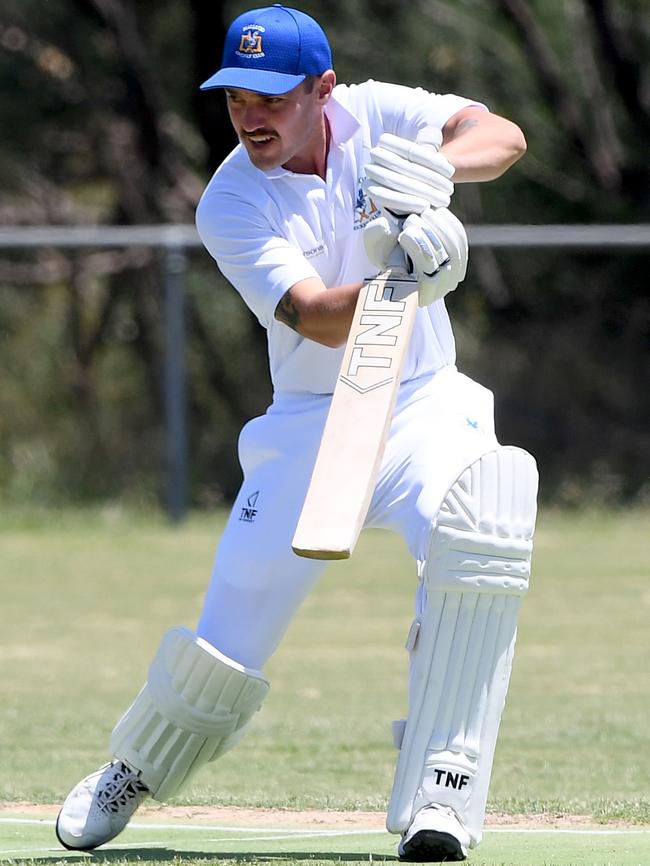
(86, 597)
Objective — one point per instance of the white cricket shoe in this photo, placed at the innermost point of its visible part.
(436, 835)
(99, 807)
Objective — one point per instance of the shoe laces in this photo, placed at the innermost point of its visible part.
(438, 807)
(121, 790)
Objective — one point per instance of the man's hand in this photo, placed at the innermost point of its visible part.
(436, 246)
(408, 177)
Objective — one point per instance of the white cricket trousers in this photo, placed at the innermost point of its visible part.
(441, 425)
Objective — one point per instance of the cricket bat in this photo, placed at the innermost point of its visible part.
(355, 433)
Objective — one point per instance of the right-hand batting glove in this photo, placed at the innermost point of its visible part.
(436, 246)
(380, 239)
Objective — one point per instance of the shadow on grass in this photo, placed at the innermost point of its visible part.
(156, 855)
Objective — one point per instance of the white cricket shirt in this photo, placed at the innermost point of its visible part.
(269, 229)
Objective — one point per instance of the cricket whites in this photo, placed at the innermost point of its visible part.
(352, 446)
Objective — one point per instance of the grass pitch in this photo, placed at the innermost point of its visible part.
(86, 598)
(29, 841)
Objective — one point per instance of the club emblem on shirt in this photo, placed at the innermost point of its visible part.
(364, 208)
(251, 41)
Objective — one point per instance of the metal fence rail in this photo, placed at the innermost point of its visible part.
(567, 236)
(176, 240)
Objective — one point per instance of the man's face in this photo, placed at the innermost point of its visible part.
(278, 130)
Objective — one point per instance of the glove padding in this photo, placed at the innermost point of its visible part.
(380, 240)
(408, 177)
(436, 246)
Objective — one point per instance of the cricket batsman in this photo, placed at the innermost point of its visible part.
(330, 181)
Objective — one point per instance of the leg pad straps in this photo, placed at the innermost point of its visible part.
(194, 707)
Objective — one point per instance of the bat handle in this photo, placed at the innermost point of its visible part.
(399, 259)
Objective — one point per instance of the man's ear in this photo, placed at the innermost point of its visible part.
(326, 84)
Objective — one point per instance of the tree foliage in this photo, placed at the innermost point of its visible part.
(103, 123)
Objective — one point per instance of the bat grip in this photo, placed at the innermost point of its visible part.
(399, 259)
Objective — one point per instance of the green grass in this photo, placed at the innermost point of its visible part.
(86, 597)
(197, 844)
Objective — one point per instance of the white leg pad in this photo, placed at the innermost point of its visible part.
(195, 706)
(462, 640)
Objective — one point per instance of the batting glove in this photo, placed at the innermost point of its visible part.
(436, 246)
(380, 240)
(408, 177)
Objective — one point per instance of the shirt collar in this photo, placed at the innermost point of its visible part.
(343, 124)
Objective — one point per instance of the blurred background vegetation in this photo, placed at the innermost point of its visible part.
(103, 123)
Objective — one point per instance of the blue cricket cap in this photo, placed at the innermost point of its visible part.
(271, 50)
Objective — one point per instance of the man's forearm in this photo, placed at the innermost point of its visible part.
(320, 314)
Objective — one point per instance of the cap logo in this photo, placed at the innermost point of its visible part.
(250, 43)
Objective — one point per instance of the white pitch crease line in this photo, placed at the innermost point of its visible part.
(252, 835)
(225, 829)
(44, 822)
(572, 831)
(294, 834)
(287, 833)
(210, 828)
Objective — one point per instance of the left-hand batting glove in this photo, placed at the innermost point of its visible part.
(436, 245)
(408, 177)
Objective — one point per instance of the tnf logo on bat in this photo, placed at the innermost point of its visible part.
(251, 41)
(249, 511)
(381, 316)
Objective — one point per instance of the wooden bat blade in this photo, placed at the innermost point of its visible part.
(354, 437)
